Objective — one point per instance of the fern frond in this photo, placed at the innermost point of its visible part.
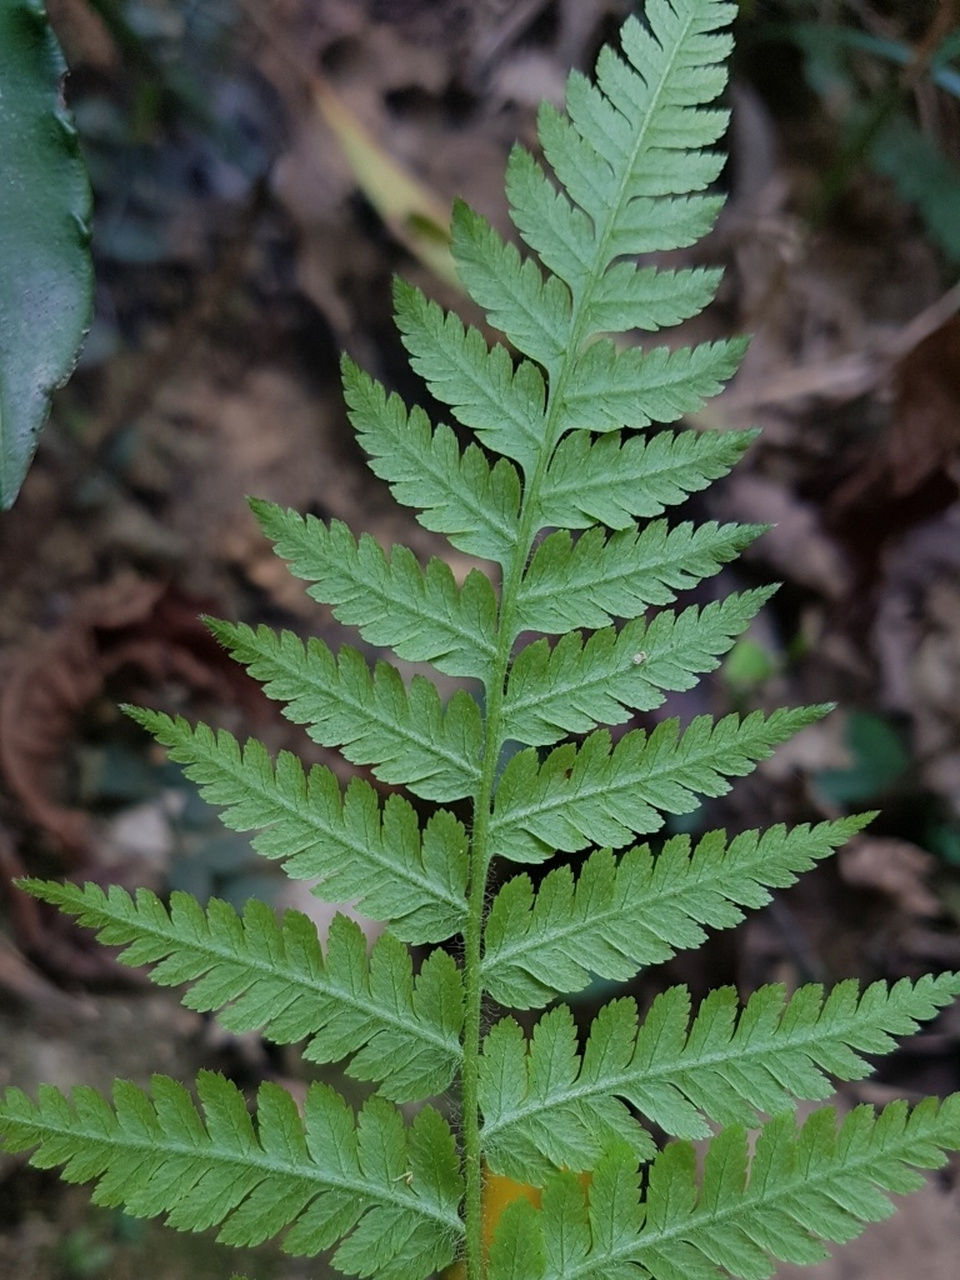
(407, 734)
(598, 578)
(259, 973)
(392, 1192)
(612, 480)
(460, 494)
(576, 686)
(357, 852)
(504, 405)
(621, 915)
(534, 312)
(419, 613)
(819, 1183)
(608, 389)
(643, 143)
(631, 297)
(595, 795)
(543, 473)
(543, 1105)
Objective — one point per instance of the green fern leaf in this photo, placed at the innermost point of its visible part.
(630, 297)
(575, 686)
(680, 67)
(613, 480)
(608, 389)
(371, 716)
(356, 850)
(420, 613)
(544, 1106)
(544, 473)
(263, 974)
(504, 405)
(595, 795)
(461, 495)
(533, 312)
(621, 915)
(324, 1176)
(819, 1183)
(595, 579)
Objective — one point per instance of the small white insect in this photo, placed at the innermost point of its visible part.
(639, 658)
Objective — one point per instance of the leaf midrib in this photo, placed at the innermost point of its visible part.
(617, 1081)
(220, 953)
(307, 817)
(158, 1145)
(371, 712)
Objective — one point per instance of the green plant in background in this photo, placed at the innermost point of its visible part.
(561, 488)
(865, 81)
(46, 274)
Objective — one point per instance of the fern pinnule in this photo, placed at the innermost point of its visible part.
(263, 974)
(323, 1176)
(354, 847)
(547, 1106)
(822, 1180)
(549, 472)
(620, 915)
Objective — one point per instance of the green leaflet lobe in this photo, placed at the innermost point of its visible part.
(325, 1176)
(620, 915)
(461, 495)
(356, 850)
(372, 717)
(546, 1106)
(599, 794)
(422, 614)
(577, 685)
(272, 976)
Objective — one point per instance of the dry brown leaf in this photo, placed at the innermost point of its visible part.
(893, 868)
(147, 626)
(912, 473)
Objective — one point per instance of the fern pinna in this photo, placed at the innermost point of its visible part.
(560, 488)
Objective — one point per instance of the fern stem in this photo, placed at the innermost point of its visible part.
(481, 856)
(480, 853)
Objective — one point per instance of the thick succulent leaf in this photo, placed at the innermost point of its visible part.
(406, 733)
(261, 974)
(461, 495)
(801, 1187)
(544, 1105)
(614, 479)
(356, 851)
(422, 614)
(392, 1192)
(596, 578)
(46, 273)
(619, 915)
(604, 794)
(575, 686)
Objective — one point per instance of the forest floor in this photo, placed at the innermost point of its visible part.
(238, 253)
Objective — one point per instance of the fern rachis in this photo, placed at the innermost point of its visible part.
(558, 486)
